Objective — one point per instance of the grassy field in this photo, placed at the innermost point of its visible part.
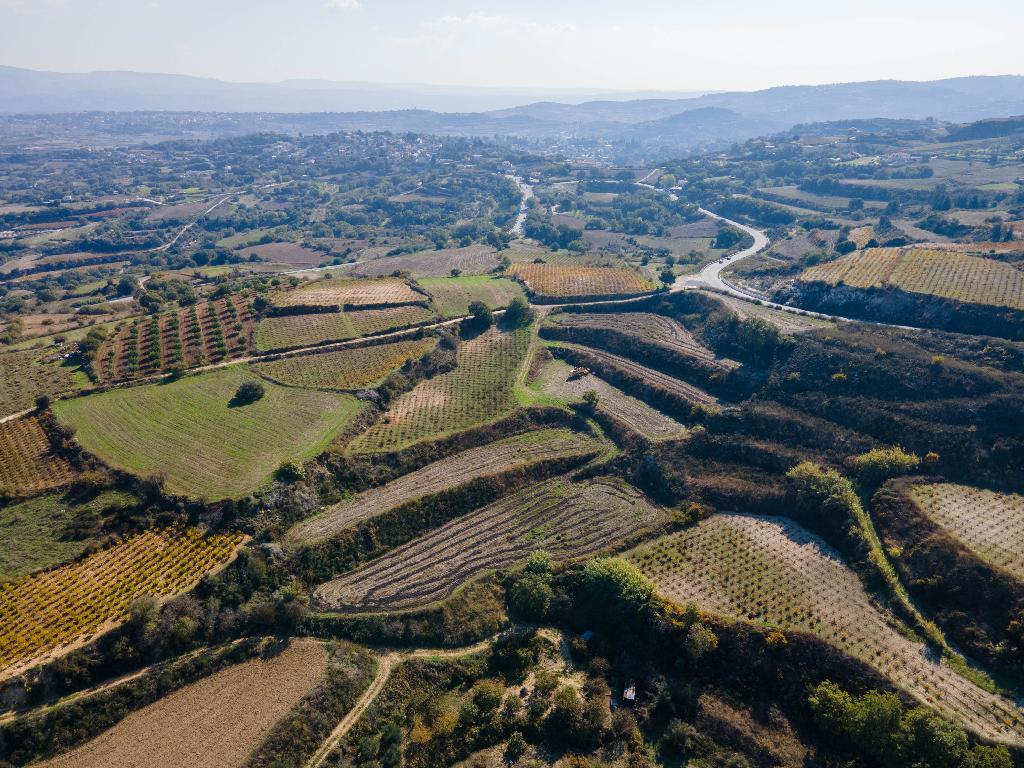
(563, 518)
(337, 293)
(529, 448)
(345, 369)
(480, 389)
(33, 534)
(308, 330)
(52, 610)
(563, 281)
(771, 571)
(23, 377)
(553, 382)
(471, 260)
(942, 273)
(242, 238)
(187, 431)
(27, 462)
(989, 523)
(216, 722)
(452, 295)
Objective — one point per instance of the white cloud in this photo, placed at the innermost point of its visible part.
(344, 5)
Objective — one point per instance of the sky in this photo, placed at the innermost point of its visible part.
(599, 44)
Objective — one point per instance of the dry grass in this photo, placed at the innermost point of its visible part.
(214, 723)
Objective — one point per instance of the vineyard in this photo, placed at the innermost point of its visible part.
(215, 722)
(648, 375)
(480, 389)
(49, 612)
(23, 377)
(652, 424)
(771, 571)
(337, 293)
(344, 369)
(647, 326)
(563, 281)
(530, 448)
(205, 333)
(27, 462)
(451, 296)
(559, 516)
(295, 331)
(189, 433)
(948, 274)
(989, 523)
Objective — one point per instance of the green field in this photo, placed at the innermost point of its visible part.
(294, 331)
(452, 295)
(33, 534)
(242, 238)
(480, 389)
(23, 378)
(186, 430)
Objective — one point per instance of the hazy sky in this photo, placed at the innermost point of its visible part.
(639, 44)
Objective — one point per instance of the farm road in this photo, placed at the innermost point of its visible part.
(386, 664)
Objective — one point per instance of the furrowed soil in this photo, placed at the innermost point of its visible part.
(214, 723)
(532, 447)
(771, 571)
(561, 517)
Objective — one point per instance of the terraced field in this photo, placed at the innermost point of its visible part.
(294, 331)
(216, 722)
(564, 518)
(948, 274)
(644, 325)
(451, 296)
(27, 462)
(649, 375)
(554, 380)
(344, 369)
(23, 377)
(989, 523)
(338, 293)
(771, 571)
(787, 322)
(49, 612)
(563, 281)
(480, 389)
(529, 448)
(189, 432)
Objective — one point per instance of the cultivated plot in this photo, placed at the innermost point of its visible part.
(27, 462)
(529, 448)
(480, 389)
(563, 281)
(348, 293)
(296, 331)
(771, 571)
(787, 322)
(647, 326)
(989, 523)
(344, 369)
(451, 296)
(561, 517)
(49, 612)
(192, 434)
(216, 722)
(23, 377)
(471, 260)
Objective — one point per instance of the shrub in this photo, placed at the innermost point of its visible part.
(880, 464)
(518, 313)
(248, 392)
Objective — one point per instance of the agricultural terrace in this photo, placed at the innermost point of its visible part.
(205, 333)
(471, 260)
(771, 571)
(292, 254)
(338, 293)
(563, 518)
(529, 448)
(948, 274)
(989, 523)
(216, 722)
(788, 323)
(50, 612)
(647, 326)
(554, 380)
(479, 390)
(189, 432)
(655, 378)
(344, 369)
(27, 462)
(23, 378)
(34, 533)
(451, 296)
(296, 331)
(564, 281)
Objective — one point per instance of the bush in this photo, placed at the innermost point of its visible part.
(880, 464)
(248, 392)
(518, 313)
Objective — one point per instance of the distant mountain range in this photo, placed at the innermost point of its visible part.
(676, 121)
